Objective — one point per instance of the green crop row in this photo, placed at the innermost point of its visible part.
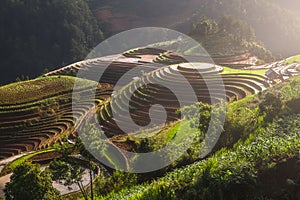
(37, 89)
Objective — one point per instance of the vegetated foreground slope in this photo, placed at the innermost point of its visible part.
(263, 164)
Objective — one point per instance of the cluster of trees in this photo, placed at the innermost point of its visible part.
(276, 23)
(227, 36)
(276, 26)
(30, 182)
(240, 30)
(44, 34)
(48, 34)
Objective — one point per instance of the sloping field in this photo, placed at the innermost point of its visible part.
(149, 90)
(162, 67)
(37, 113)
(110, 67)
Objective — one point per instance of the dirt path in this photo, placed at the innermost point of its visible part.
(3, 180)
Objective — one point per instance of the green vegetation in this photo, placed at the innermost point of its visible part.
(92, 138)
(44, 34)
(258, 14)
(71, 170)
(36, 89)
(29, 182)
(228, 70)
(229, 36)
(247, 120)
(23, 159)
(174, 131)
(114, 182)
(253, 143)
(231, 172)
(257, 155)
(293, 59)
(261, 134)
(278, 32)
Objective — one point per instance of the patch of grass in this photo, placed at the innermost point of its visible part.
(292, 90)
(113, 159)
(11, 166)
(170, 134)
(293, 59)
(174, 132)
(181, 130)
(228, 70)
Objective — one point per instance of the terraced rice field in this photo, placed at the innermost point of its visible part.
(149, 91)
(35, 114)
(161, 67)
(110, 67)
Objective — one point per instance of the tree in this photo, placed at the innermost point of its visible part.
(201, 115)
(67, 169)
(69, 172)
(204, 26)
(29, 182)
(92, 137)
(240, 29)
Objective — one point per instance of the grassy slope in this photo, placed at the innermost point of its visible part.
(230, 171)
(175, 130)
(293, 59)
(228, 70)
(32, 90)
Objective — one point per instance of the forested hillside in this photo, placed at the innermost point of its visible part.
(229, 36)
(276, 26)
(276, 23)
(44, 34)
(34, 38)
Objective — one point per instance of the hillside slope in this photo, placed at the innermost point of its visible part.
(263, 164)
(279, 32)
(36, 35)
(35, 114)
